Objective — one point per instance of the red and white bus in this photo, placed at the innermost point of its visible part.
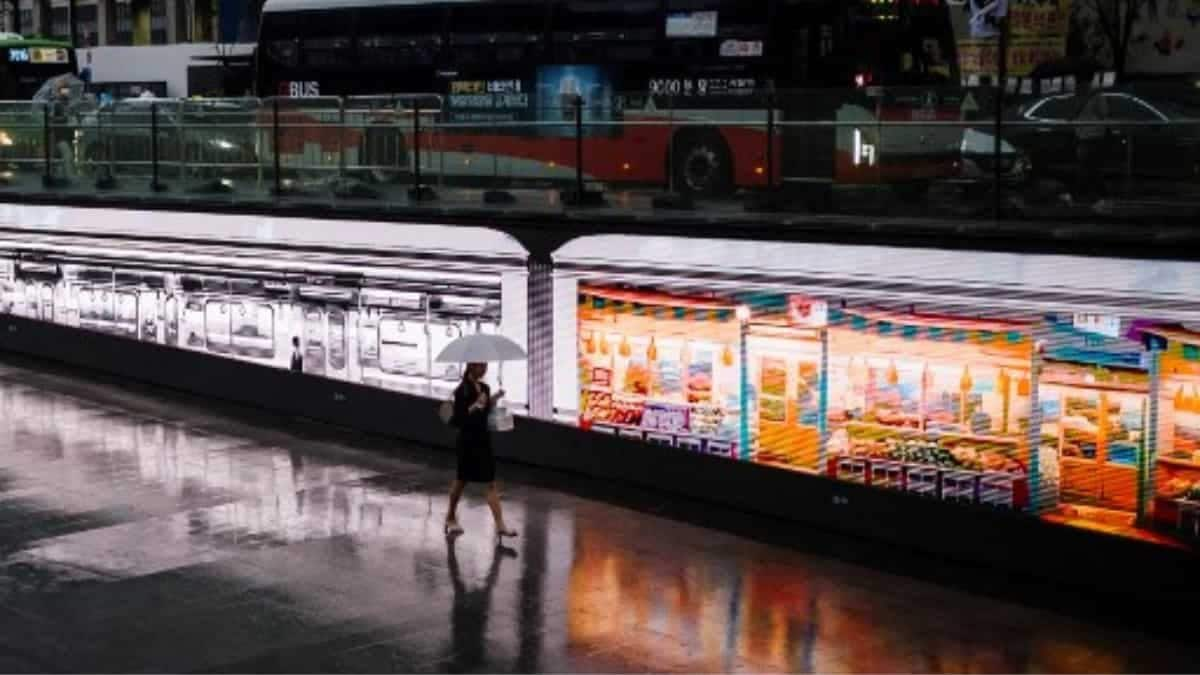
(674, 91)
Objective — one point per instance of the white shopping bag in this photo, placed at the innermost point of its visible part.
(500, 419)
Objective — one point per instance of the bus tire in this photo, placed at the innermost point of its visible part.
(702, 165)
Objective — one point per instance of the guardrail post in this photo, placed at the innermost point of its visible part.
(766, 199)
(418, 192)
(770, 142)
(275, 146)
(48, 176)
(672, 198)
(417, 146)
(341, 138)
(580, 196)
(154, 184)
(578, 103)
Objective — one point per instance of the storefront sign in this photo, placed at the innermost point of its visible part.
(1101, 324)
(665, 417)
(807, 313)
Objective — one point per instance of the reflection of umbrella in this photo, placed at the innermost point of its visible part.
(481, 348)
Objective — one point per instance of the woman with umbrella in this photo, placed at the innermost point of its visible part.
(473, 405)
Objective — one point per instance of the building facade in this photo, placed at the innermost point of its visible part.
(134, 22)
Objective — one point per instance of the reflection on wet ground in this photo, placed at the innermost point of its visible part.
(143, 535)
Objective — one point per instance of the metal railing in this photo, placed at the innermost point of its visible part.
(856, 154)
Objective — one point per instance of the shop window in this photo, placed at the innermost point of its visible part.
(60, 23)
(158, 22)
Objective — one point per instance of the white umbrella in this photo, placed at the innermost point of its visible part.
(481, 348)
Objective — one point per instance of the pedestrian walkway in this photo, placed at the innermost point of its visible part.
(144, 534)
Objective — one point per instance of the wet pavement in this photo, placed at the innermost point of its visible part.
(142, 533)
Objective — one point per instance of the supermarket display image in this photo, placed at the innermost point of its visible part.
(1034, 412)
(932, 404)
(661, 368)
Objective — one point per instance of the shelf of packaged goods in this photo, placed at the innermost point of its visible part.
(991, 488)
(685, 441)
(933, 435)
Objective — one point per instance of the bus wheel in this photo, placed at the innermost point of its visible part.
(702, 165)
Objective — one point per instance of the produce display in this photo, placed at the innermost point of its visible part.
(1181, 488)
(963, 456)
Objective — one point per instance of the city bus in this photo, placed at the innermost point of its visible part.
(26, 64)
(675, 93)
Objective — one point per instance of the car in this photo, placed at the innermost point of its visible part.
(1142, 136)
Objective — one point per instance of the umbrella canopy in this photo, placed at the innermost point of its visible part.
(481, 348)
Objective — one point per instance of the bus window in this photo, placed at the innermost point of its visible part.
(588, 31)
(476, 37)
(321, 39)
(328, 52)
(326, 42)
(403, 37)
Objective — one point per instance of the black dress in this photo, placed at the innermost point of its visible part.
(475, 461)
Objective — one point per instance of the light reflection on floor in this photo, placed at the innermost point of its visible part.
(139, 534)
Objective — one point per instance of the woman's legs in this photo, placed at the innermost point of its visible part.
(493, 500)
(456, 490)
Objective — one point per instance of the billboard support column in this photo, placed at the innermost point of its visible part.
(541, 338)
(1034, 434)
(1148, 458)
(823, 401)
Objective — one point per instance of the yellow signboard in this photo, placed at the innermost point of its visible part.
(48, 55)
(1037, 34)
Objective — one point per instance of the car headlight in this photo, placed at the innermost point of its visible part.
(5, 139)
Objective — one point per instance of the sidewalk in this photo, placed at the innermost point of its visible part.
(141, 534)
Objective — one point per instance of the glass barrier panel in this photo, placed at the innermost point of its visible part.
(22, 144)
